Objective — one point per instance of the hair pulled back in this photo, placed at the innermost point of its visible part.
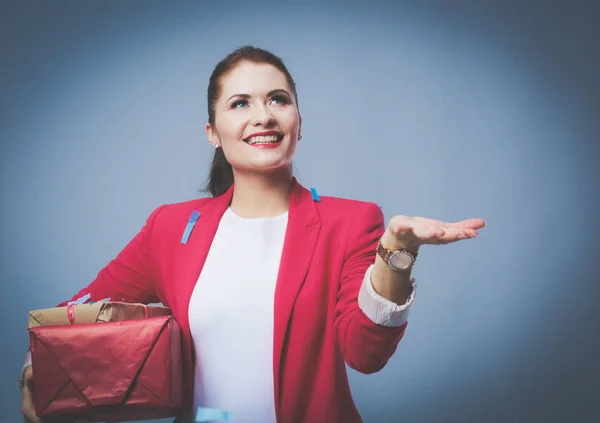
(220, 177)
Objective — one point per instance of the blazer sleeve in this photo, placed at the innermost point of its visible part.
(365, 345)
(130, 277)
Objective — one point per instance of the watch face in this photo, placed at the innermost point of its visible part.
(401, 260)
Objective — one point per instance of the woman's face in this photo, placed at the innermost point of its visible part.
(256, 118)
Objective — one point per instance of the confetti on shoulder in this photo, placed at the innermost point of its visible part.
(190, 226)
(315, 196)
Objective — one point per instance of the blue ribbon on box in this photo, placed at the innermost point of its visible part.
(204, 414)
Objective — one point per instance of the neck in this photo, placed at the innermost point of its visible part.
(261, 194)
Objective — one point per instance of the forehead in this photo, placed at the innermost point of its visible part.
(253, 79)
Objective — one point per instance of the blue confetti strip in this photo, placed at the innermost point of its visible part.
(315, 196)
(104, 300)
(207, 414)
(190, 225)
(80, 300)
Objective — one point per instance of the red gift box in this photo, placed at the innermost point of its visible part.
(108, 372)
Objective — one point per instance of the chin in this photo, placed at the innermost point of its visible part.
(265, 166)
(263, 161)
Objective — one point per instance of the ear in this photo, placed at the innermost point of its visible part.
(212, 136)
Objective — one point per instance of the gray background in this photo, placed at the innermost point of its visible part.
(441, 109)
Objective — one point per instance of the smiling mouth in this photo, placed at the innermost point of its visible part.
(264, 139)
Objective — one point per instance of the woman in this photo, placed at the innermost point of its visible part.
(275, 288)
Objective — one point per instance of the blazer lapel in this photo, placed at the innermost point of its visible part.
(191, 256)
(299, 244)
(189, 260)
(300, 240)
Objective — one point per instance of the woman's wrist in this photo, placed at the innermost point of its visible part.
(392, 242)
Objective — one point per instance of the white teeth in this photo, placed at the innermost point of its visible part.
(263, 139)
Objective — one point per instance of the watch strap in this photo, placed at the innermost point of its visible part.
(385, 253)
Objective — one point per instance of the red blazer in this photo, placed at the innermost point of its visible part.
(328, 246)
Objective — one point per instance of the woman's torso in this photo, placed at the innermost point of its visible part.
(231, 318)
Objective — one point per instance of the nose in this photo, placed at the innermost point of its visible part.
(262, 116)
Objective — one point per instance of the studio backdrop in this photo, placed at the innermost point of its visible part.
(447, 110)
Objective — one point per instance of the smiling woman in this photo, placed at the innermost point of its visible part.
(254, 95)
(276, 289)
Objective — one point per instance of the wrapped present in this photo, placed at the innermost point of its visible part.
(94, 313)
(110, 372)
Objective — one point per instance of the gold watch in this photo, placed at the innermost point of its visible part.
(400, 260)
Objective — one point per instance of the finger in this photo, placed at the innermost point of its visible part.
(429, 221)
(473, 223)
(446, 235)
(31, 419)
(454, 234)
(428, 233)
(423, 232)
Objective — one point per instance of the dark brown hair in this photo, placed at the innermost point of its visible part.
(220, 178)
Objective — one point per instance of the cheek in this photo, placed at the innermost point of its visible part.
(231, 128)
(290, 119)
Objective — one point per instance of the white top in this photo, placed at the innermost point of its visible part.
(231, 318)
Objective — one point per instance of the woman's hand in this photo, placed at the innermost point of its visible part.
(412, 232)
(27, 407)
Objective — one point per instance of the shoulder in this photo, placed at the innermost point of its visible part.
(348, 210)
(355, 223)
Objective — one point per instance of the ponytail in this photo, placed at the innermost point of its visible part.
(220, 178)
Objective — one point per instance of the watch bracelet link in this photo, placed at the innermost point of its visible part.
(384, 251)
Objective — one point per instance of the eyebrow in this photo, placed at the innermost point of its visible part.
(270, 94)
